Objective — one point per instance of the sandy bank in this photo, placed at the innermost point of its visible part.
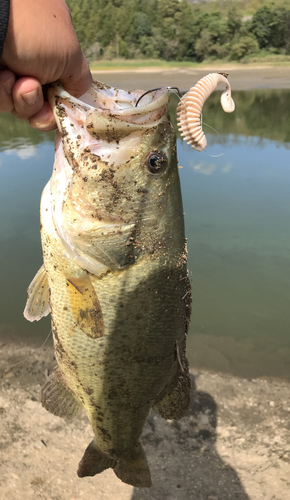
(241, 78)
(234, 444)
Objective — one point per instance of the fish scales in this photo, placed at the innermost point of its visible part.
(115, 262)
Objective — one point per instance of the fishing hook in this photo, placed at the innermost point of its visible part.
(158, 88)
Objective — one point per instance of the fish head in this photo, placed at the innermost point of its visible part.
(115, 189)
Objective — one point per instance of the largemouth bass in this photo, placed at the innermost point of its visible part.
(114, 276)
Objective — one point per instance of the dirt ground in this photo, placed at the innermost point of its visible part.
(234, 444)
(240, 77)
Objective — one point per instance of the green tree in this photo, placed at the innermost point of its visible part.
(179, 30)
(287, 32)
(270, 26)
(168, 8)
(218, 28)
(142, 25)
(185, 32)
(234, 22)
(261, 26)
(278, 27)
(203, 45)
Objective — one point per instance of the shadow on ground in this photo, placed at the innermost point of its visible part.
(183, 459)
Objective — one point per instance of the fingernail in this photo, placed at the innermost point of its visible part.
(31, 97)
(44, 127)
(8, 85)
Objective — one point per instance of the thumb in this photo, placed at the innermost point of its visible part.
(77, 77)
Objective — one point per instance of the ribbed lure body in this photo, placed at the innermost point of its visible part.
(190, 108)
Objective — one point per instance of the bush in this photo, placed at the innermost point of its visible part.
(245, 46)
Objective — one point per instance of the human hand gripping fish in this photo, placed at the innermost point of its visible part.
(40, 47)
(114, 277)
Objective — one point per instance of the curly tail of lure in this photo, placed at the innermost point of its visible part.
(190, 107)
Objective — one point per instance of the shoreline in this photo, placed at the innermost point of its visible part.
(234, 443)
(241, 78)
(211, 68)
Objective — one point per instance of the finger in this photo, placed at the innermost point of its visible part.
(27, 98)
(7, 80)
(44, 119)
(78, 82)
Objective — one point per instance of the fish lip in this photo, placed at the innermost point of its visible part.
(153, 100)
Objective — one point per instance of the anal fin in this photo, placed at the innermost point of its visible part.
(37, 305)
(57, 398)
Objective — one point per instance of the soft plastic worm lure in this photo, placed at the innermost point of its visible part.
(190, 107)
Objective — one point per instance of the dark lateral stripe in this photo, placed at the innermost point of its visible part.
(4, 18)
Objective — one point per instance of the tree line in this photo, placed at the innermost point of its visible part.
(178, 30)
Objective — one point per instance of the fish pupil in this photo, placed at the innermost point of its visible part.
(155, 163)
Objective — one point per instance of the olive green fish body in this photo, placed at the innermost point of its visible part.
(115, 263)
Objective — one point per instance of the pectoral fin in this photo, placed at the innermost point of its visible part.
(37, 305)
(58, 399)
(85, 306)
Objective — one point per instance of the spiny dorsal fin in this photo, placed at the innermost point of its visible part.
(57, 398)
(37, 305)
(85, 306)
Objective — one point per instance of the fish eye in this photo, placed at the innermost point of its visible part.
(156, 162)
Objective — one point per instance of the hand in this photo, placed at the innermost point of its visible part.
(40, 47)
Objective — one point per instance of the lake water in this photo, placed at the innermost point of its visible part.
(237, 212)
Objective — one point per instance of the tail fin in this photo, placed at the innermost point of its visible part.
(94, 461)
(135, 470)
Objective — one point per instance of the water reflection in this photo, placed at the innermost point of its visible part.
(237, 209)
(26, 160)
(237, 220)
(15, 134)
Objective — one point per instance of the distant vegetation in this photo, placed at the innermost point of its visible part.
(179, 30)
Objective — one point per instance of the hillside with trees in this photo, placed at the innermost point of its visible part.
(180, 30)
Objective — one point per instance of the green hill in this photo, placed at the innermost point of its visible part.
(178, 30)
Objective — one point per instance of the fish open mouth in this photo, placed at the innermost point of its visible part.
(105, 108)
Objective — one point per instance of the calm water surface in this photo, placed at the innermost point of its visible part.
(237, 211)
